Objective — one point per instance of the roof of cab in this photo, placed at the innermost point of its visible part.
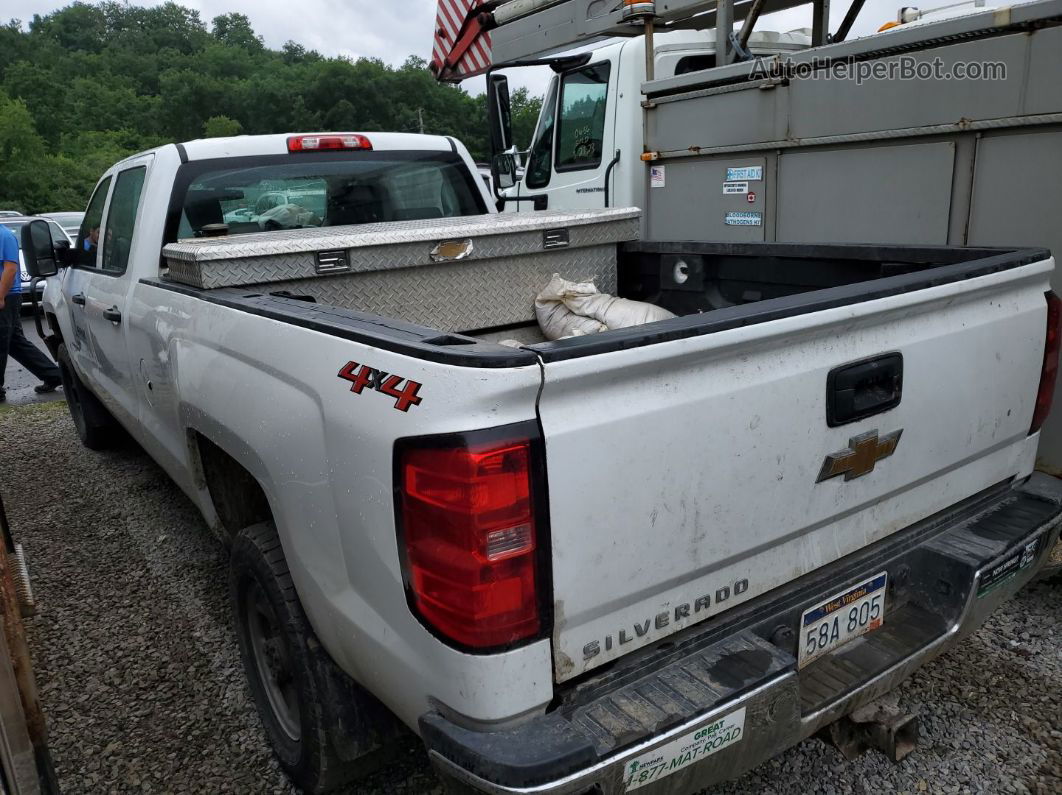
(250, 145)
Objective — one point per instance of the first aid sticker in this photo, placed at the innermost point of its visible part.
(686, 750)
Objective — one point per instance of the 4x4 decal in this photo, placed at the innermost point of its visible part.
(362, 376)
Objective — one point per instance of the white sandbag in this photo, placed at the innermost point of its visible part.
(555, 318)
(572, 309)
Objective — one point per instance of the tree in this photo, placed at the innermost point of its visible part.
(21, 155)
(235, 30)
(525, 110)
(221, 127)
(91, 83)
(79, 26)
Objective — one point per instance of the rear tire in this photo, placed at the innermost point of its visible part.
(95, 426)
(325, 729)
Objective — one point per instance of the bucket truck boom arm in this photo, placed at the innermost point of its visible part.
(471, 36)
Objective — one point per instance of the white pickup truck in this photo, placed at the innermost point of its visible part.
(648, 558)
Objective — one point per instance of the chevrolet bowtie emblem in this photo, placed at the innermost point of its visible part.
(860, 457)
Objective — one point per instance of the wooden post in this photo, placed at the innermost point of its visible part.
(24, 750)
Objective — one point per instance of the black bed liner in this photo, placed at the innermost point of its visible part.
(929, 267)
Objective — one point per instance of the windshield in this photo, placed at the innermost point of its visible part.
(58, 235)
(245, 195)
(66, 219)
(17, 229)
(540, 162)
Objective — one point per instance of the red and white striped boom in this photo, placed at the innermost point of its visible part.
(462, 39)
(473, 35)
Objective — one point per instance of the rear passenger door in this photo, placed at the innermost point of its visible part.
(108, 287)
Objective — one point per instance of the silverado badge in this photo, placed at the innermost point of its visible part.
(860, 457)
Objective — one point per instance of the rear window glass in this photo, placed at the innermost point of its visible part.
(247, 195)
(17, 229)
(57, 233)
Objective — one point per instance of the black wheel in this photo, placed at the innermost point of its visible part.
(95, 426)
(296, 686)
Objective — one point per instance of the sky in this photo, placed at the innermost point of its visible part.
(392, 30)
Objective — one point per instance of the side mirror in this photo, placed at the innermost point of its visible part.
(65, 254)
(38, 251)
(499, 114)
(503, 171)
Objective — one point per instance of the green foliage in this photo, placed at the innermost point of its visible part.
(221, 127)
(20, 149)
(235, 30)
(525, 110)
(92, 83)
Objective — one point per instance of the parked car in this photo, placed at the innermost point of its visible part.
(59, 238)
(70, 221)
(9, 213)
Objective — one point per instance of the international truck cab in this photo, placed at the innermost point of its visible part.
(587, 145)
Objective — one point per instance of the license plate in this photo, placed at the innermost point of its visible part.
(841, 618)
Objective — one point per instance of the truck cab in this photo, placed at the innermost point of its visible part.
(586, 147)
(196, 190)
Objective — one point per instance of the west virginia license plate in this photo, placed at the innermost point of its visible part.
(841, 618)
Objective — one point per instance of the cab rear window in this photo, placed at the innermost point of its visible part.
(244, 195)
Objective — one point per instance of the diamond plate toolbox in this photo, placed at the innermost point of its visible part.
(454, 274)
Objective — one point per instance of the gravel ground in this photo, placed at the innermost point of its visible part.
(143, 689)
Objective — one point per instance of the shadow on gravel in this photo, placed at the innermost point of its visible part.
(144, 691)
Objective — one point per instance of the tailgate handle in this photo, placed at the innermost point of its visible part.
(862, 389)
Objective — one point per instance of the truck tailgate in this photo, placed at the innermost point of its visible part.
(684, 476)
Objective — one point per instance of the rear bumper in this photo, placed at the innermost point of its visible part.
(946, 575)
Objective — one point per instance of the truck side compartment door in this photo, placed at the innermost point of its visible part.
(76, 279)
(574, 143)
(108, 288)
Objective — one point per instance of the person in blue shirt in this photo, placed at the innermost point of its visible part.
(13, 342)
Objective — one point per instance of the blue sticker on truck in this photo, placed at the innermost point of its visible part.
(744, 174)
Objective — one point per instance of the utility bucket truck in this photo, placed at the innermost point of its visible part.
(945, 129)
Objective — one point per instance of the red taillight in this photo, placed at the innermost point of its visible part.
(468, 527)
(330, 141)
(1049, 372)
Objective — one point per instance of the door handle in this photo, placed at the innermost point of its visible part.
(112, 314)
(862, 389)
(78, 299)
